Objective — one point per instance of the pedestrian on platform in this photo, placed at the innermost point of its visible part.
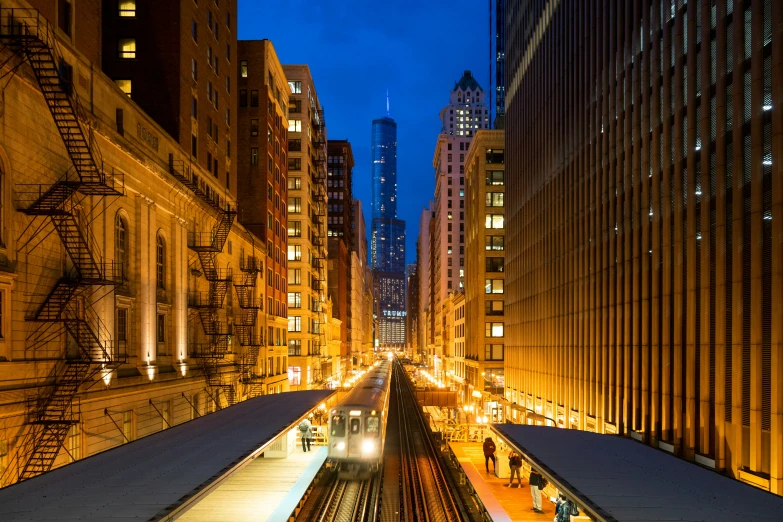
(489, 453)
(565, 509)
(306, 431)
(537, 483)
(515, 465)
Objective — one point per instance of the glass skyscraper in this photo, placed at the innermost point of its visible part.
(388, 235)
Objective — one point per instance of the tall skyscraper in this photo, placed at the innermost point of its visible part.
(388, 234)
(497, 50)
(644, 217)
(466, 113)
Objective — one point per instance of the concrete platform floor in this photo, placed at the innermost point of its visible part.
(515, 501)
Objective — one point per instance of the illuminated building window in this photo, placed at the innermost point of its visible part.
(127, 48)
(128, 8)
(125, 86)
(493, 286)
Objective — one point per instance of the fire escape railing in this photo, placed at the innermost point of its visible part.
(318, 240)
(55, 409)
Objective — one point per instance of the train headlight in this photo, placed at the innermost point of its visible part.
(340, 446)
(368, 446)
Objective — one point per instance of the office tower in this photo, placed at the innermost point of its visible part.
(424, 318)
(465, 114)
(361, 329)
(262, 172)
(483, 369)
(497, 51)
(177, 61)
(388, 235)
(310, 364)
(412, 309)
(339, 167)
(643, 213)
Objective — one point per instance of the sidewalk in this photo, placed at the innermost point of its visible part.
(512, 504)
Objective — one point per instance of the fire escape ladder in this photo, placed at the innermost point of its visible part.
(246, 327)
(55, 408)
(207, 245)
(50, 415)
(319, 214)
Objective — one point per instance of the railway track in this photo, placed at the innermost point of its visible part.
(337, 500)
(425, 495)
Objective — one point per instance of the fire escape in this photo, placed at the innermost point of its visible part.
(55, 407)
(318, 240)
(210, 352)
(249, 333)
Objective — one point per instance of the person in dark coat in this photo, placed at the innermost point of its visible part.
(489, 453)
(515, 466)
(536, 480)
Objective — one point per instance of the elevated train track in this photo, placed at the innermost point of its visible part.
(410, 486)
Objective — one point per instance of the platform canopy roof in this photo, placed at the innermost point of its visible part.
(149, 478)
(614, 478)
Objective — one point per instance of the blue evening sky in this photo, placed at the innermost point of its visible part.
(355, 49)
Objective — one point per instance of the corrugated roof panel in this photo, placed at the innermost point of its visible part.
(628, 481)
(147, 477)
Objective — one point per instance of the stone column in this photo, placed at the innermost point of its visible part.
(147, 298)
(179, 282)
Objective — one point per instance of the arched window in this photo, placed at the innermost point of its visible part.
(160, 262)
(121, 244)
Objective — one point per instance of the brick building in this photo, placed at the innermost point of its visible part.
(311, 363)
(339, 183)
(262, 165)
(177, 61)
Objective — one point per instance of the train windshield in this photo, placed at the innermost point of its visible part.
(338, 426)
(373, 425)
(356, 426)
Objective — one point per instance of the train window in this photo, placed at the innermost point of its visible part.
(373, 423)
(356, 426)
(338, 426)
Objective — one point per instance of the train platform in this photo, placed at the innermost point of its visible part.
(266, 490)
(503, 503)
(165, 475)
(617, 479)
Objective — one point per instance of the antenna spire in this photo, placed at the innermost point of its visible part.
(387, 102)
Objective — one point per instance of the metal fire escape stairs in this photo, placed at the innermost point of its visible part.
(55, 407)
(210, 355)
(318, 241)
(248, 333)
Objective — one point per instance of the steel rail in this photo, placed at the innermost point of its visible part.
(431, 495)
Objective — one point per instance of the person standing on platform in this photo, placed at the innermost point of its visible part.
(489, 453)
(306, 430)
(514, 464)
(537, 483)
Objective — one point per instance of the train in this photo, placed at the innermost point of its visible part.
(357, 424)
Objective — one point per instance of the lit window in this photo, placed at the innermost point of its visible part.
(125, 86)
(493, 329)
(493, 286)
(295, 125)
(296, 87)
(127, 48)
(243, 68)
(493, 221)
(128, 8)
(294, 252)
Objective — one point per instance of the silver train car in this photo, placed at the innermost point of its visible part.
(357, 424)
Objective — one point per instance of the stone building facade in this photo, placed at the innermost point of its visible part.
(114, 252)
